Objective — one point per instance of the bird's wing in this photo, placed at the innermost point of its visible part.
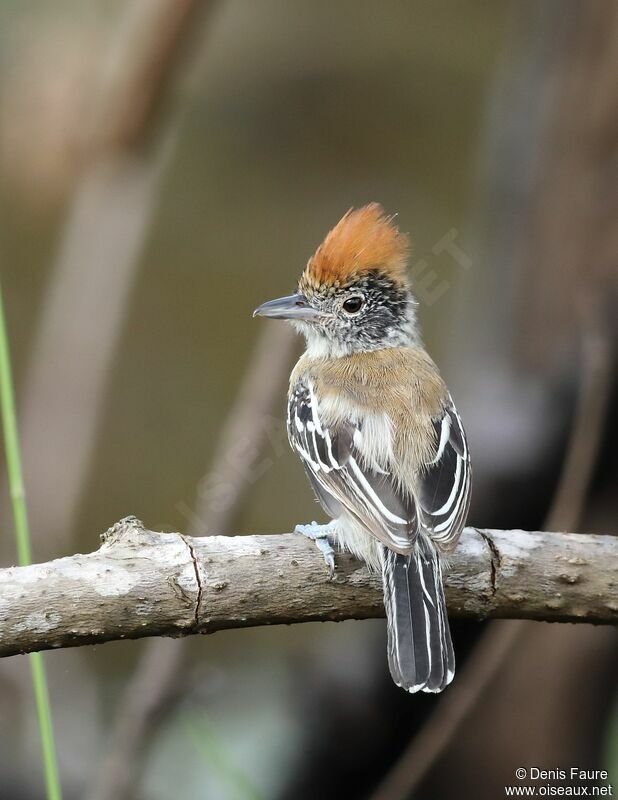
(443, 493)
(342, 478)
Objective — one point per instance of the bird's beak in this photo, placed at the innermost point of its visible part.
(296, 306)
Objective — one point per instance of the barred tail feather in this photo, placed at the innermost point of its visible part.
(420, 650)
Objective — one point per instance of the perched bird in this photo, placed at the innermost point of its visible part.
(378, 434)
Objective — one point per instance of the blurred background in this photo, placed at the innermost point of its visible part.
(166, 166)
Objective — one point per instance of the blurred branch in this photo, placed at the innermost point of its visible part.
(157, 680)
(245, 431)
(98, 260)
(595, 386)
(150, 36)
(141, 583)
(574, 204)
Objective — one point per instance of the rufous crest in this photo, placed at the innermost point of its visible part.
(363, 240)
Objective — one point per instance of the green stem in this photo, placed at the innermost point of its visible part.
(24, 555)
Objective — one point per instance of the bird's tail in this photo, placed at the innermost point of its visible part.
(420, 650)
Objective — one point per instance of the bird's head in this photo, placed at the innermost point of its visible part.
(354, 295)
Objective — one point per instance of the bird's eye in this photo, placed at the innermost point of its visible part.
(353, 305)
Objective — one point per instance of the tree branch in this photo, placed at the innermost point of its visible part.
(141, 583)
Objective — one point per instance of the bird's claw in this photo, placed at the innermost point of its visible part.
(319, 534)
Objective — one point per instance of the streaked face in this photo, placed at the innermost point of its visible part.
(366, 314)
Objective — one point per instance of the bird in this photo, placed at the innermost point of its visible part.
(378, 434)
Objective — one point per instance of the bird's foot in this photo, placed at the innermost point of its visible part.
(319, 534)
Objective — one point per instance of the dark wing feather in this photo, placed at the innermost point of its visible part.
(444, 493)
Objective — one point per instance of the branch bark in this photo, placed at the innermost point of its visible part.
(142, 583)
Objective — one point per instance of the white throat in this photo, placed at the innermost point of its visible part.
(320, 346)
